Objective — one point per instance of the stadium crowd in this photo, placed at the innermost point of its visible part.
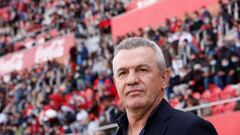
(53, 98)
(41, 20)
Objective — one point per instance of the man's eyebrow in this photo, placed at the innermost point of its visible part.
(122, 68)
(137, 66)
(143, 65)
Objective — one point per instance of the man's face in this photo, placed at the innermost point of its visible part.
(137, 77)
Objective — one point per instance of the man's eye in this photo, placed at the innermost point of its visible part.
(143, 70)
(121, 73)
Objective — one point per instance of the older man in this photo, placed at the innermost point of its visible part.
(141, 75)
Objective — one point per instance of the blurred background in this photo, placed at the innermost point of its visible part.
(55, 61)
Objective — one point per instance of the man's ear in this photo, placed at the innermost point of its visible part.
(165, 78)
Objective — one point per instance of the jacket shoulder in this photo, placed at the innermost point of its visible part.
(192, 124)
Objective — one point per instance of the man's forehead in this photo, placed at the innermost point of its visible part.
(126, 59)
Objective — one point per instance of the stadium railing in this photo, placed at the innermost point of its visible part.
(194, 108)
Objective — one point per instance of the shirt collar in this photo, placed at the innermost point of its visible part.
(123, 121)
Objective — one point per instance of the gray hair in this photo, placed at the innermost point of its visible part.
(136, 42)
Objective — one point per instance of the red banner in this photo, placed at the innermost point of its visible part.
(56, 48)
(154, 15)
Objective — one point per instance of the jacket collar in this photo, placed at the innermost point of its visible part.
(157, 121)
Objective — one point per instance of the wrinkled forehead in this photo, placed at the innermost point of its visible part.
(133, 57)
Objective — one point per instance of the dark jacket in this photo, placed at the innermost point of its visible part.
(165, 120)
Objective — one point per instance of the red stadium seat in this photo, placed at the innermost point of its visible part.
(197, 95)
(215, 94)
(218, 109)
(230, 90)
(229, 107)
(224, 95)
(206, 96)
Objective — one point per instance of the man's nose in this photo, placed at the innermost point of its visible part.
(132, 79)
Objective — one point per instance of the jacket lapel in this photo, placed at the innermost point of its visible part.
(159, 120)
(156, 124)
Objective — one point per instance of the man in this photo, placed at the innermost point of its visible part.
(140, 75)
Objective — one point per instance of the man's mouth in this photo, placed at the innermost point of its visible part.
(134, 92)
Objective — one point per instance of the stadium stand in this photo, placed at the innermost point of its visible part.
(78, 96)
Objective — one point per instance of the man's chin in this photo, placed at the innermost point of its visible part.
(135, 104)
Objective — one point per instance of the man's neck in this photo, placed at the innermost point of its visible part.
(136, 122)
(138, 118)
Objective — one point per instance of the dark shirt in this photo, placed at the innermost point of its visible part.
(165, 120)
